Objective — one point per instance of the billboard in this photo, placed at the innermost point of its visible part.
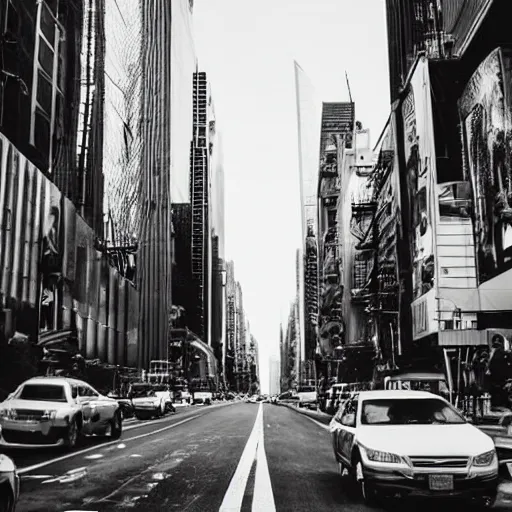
(419, 153)
(485, 113)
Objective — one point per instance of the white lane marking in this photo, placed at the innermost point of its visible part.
(234, 496)
(263, 497)
(21, 471)
(94, 456)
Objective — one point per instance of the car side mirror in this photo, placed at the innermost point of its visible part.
(349, 420)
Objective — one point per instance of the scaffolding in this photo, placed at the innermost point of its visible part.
(199, 197)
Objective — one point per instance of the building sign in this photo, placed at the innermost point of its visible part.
(485, 112)
(424, 320)
(417, 121)
(420, 318)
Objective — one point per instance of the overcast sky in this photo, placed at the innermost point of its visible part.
(247, 49)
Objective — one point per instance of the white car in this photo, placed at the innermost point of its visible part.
(149, 401)
(56, 411)
(413, 443)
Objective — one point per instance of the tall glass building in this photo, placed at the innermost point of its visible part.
(308, 120)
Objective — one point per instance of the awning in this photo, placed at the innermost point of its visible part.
(47, 338)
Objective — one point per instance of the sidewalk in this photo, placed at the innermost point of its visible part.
(319, 416)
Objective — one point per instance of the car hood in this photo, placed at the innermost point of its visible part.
(426, 440)
(35, 405)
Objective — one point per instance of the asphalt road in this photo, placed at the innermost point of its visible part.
(231, 457)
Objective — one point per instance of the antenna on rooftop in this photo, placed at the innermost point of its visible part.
(348, 87)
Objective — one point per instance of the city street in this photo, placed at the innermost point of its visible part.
(200, 459)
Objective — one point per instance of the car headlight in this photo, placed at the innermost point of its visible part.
(9, 414)
(49, 415)
(378, 456)
(485, 459)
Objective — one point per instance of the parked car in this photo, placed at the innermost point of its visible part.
(307, 397)
(413, 443)
(420, 381)
(56, 411)
(9, 484)
(148, 401)
(203, 397)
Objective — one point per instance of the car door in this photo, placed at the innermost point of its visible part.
(87, 406)
(336, 428)
(101, 408)
(347, 433)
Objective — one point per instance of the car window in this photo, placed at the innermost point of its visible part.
(44, 392)
(92, 392)
(409, 411)
(74, 391)
(82, 391)
(349, 414)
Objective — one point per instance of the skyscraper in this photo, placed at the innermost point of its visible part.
(308, 118)
(155, 246)
(274, 376)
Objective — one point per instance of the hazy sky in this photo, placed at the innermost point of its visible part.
(247, 49)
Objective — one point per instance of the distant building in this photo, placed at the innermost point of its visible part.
(274, 376)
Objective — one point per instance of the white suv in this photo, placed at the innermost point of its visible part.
(55, 411)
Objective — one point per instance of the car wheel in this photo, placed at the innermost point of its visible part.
(72, 435)
(116, 426)
(366, 490)
(6, 499)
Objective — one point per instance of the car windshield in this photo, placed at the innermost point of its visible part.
(140, 392)
(409, 411)
(43, 392)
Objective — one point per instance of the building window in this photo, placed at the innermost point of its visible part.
(48, 80)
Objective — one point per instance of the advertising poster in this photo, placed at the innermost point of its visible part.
(51, 255)
(417, 120)
(484, 109)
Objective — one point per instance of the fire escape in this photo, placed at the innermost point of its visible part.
(199, 196)
(330, 319)
(384, 305)
(362, 226)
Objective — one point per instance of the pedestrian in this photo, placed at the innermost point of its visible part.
(498, 372)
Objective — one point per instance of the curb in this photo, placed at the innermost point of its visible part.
(318, 416)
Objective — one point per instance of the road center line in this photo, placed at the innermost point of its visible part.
(263, 497)
(28, 469)
(234, 496)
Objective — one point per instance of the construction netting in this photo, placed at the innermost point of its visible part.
(123, 118)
